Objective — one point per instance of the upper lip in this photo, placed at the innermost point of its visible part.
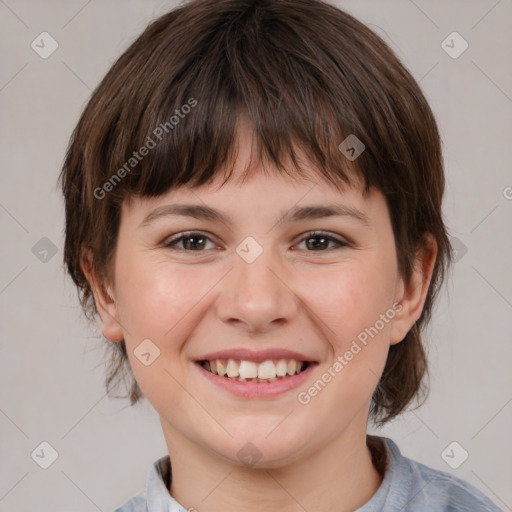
(258, 356)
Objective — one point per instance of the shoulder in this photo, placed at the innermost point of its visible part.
(423, 488)
(450, 493)
(135, 504)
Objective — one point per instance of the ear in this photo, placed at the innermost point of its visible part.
(411, 296)
(104, 299)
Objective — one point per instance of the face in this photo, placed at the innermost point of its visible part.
(318, 295)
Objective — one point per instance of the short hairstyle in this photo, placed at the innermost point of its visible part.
(306, 75)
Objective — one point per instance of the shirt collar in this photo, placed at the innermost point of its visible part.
(157, 494)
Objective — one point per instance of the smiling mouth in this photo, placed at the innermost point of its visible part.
(250, 371)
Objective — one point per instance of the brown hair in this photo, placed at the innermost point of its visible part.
(306, 75)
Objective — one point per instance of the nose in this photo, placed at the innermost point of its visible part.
(258, 296)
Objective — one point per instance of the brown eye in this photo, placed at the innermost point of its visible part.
(319, 242)
(194, 242)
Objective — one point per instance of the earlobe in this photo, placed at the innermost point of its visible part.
(109, 315)
(412, 295)
(104, 300)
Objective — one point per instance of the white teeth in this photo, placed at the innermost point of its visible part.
(248, 370)
(281, 368)
(221, 369)
(232, 368)
(266, 370)
(244, 371)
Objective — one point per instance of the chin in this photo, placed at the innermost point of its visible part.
(257, 449)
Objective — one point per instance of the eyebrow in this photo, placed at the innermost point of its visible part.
(296, 214)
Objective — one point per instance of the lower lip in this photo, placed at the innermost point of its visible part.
(257, 389)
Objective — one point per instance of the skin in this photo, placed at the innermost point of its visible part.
(293, 296)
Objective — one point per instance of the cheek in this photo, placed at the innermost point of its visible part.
(159, 301)
(156, 296)
(348, 300)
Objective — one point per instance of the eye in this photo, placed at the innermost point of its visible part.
(321, 241)
(199, 240)
(195, 241)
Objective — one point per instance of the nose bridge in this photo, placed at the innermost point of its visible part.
(255, 293)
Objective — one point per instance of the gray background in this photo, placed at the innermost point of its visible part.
(52, 362)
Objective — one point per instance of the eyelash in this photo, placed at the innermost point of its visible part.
(172, 243)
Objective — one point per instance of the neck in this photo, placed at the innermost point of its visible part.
(339, 477)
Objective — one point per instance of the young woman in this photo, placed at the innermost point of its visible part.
(254, 208)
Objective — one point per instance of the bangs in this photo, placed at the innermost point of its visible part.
(172, 118)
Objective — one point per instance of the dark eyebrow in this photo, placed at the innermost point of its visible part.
(318, 212)
(196, 211)
(297, 213)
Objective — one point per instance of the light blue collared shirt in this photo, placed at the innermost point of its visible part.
(408, 486)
